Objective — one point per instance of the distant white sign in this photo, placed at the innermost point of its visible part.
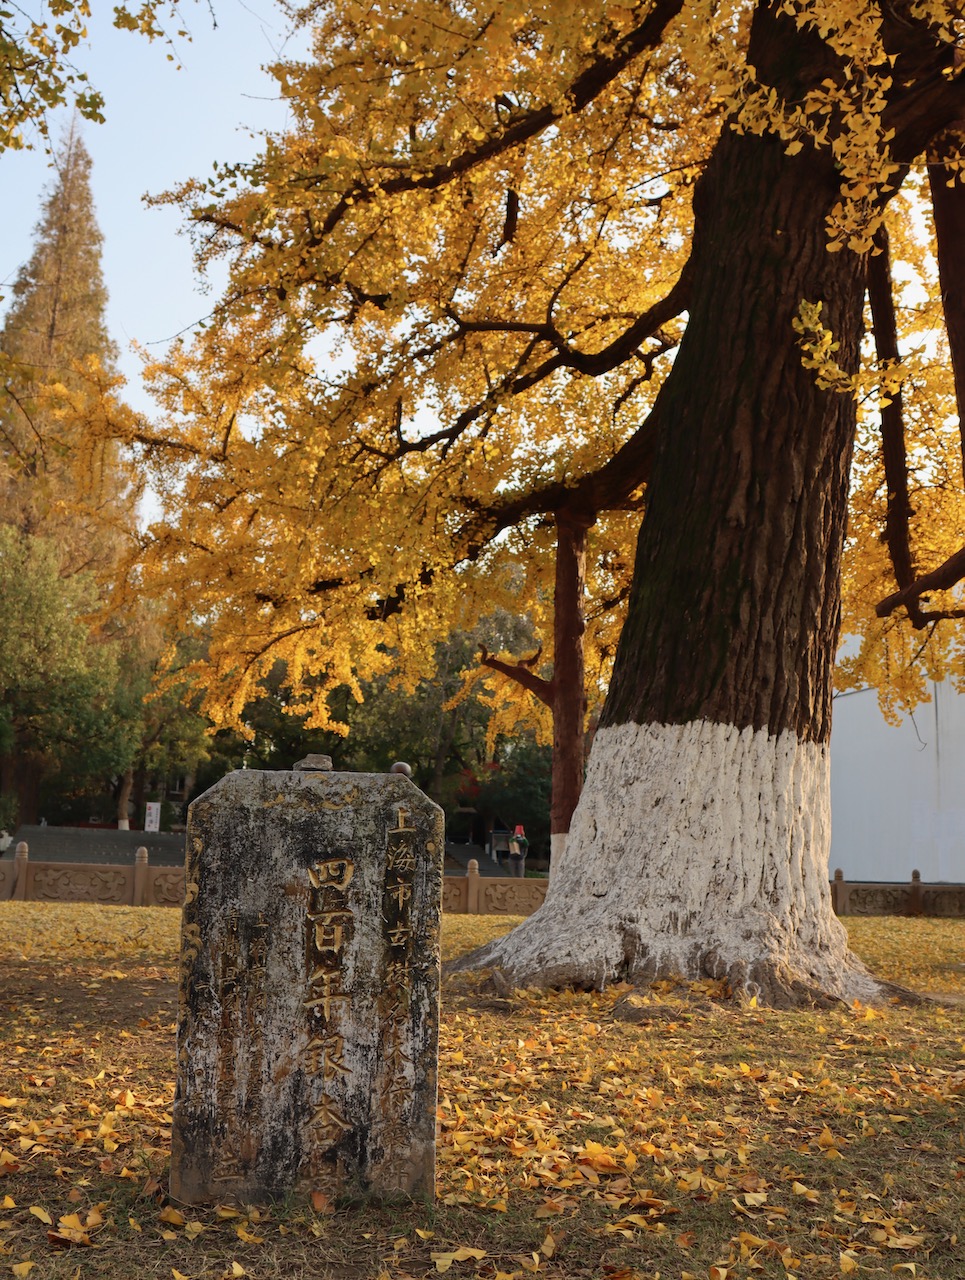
(152, 818)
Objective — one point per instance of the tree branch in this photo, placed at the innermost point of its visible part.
(899, 510)
(589, 84)
(612, 476)
(929, 89)
(521, 673)
(948, 211)
(946, 575)
(591, 363)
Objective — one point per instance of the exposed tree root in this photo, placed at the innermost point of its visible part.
(769, 983)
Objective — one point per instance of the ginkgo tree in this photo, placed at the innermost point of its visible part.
(504, 458)
(524, 260)
(41, 61)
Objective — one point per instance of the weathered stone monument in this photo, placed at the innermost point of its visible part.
(309, 1002)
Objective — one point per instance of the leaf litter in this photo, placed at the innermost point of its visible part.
(623, 1134)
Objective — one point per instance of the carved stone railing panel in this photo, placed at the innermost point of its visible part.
(511, 897)
(944, 901)
(876, 900)
(6, 880)
(55, 882)
(166, 888)
(455, 894)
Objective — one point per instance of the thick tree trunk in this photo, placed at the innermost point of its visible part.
(700, 845)
(569, 678)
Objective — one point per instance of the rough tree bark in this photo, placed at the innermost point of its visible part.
(701, 841)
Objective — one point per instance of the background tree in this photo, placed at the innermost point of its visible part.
(68, 506)
(56, 687)
(64, 497)
(480, 213)
(57, 478)
(445, 725)
(510, 789)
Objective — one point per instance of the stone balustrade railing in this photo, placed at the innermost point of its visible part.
(144, 885)
(140, 885)
(874, 898)
(476, 895)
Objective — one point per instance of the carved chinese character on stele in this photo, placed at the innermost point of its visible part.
(309, 1003)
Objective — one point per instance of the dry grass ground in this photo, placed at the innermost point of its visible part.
(614, 1135)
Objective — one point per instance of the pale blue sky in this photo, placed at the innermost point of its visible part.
(163, 125)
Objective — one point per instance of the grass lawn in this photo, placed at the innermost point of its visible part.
(610, 1136)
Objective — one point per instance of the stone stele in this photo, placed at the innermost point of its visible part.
(309, 1001)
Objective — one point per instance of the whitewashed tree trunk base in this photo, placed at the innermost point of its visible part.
(698, 850)
(557, 850)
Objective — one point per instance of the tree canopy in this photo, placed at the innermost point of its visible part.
(430, 321)
(40, 44)
(520, 263)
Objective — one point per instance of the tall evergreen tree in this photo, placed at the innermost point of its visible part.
(56, 479)
(67, 502)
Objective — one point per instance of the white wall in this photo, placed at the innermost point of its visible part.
(898, 793)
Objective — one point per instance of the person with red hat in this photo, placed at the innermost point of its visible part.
(518, 845)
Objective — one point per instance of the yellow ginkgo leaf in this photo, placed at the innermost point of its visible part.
(248, 1236)
(904, 1242)
(444, 1261)
(40, 1212)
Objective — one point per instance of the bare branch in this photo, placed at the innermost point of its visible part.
(947, 575)
(521, 673)
(899, 509)
(948, 210)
